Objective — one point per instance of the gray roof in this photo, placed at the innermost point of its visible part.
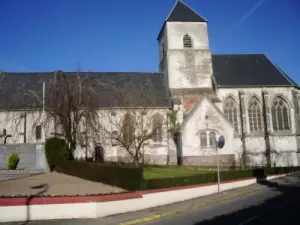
(238, 70)
(181, 12)
(118, 89)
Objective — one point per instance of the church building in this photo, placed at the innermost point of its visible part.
(246, 98)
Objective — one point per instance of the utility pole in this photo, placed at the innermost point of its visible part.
(43, 116)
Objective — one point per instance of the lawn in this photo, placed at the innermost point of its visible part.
(157, 172)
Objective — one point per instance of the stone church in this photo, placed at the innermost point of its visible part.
(246, 98)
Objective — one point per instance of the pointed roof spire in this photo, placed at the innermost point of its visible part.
(183, 13)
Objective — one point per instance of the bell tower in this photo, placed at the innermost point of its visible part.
(184, 54)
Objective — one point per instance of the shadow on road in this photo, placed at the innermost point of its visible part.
(282, 209)
(44, 188)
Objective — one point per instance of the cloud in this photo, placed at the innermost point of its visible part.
(250, 12)
(247, 15)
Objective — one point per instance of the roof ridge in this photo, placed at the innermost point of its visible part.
(172, 10)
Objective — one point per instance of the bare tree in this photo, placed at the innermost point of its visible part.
(71, 103)
(136, 127)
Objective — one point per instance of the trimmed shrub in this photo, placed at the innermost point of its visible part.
(208, 177)
(131, 178)
(56, 149)
(280, 170)
(124, 176)
(13, 161)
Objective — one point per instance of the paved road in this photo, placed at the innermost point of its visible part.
(269, 203)
(278, 204)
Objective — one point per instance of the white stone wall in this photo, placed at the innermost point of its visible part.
(283, 144)
(197, 31)
(14, 124)
(186, 68)
(205, 117)
(157, 150)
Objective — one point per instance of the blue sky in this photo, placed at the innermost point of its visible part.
(118, 35)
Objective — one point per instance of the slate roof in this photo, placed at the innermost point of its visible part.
(181, 12)
(118, 89)
(240, 70)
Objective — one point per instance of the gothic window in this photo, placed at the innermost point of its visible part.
(212, 139)
(203, 139)
(231, 112)
(187, 41)
(255, 115)
(280, 115)
(157, 123)
(127, 130)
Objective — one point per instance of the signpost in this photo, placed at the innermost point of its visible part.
(219, 145)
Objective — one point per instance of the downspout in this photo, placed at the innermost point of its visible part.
(86, 140)
(243, 137)
(25, 127)
(168, 145)
(266, 132)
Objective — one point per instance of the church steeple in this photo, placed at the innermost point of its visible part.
(183, 13)
(185, 57)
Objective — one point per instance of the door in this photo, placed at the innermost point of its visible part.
(99, 154)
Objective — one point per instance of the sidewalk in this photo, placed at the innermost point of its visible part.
(151, 214)
(57, 184)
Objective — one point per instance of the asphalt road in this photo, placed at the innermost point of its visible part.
(273, 202)
(278, 204)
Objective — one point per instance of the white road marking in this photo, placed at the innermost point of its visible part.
(249, 220)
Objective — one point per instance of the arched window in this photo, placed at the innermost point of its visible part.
(280, 115)
(255, 115)
(157, 123)
(231, 112)
(187, 41)
(203, 139)
(127, 130)
(212, 139)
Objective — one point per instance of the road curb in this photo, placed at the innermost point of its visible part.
(191, 208)
(14, 209)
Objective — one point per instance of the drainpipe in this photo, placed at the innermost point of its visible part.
(168, 145)
(243, 137)
(25, 127)
(43, 116)
(266, 132)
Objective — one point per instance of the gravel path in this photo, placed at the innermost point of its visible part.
(58, 184)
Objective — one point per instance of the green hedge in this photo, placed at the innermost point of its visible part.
(127, 177)
(196, 179)
(131, 177)
(280, 170)
(13, 161)
(56, 149)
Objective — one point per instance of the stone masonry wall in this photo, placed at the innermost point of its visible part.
(31, 156)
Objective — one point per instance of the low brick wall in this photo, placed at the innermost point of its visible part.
(32, 156)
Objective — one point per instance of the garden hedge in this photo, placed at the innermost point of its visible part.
(208, 177)
(131, 177)
(123, 176)
(13, 161)
(56, 149)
